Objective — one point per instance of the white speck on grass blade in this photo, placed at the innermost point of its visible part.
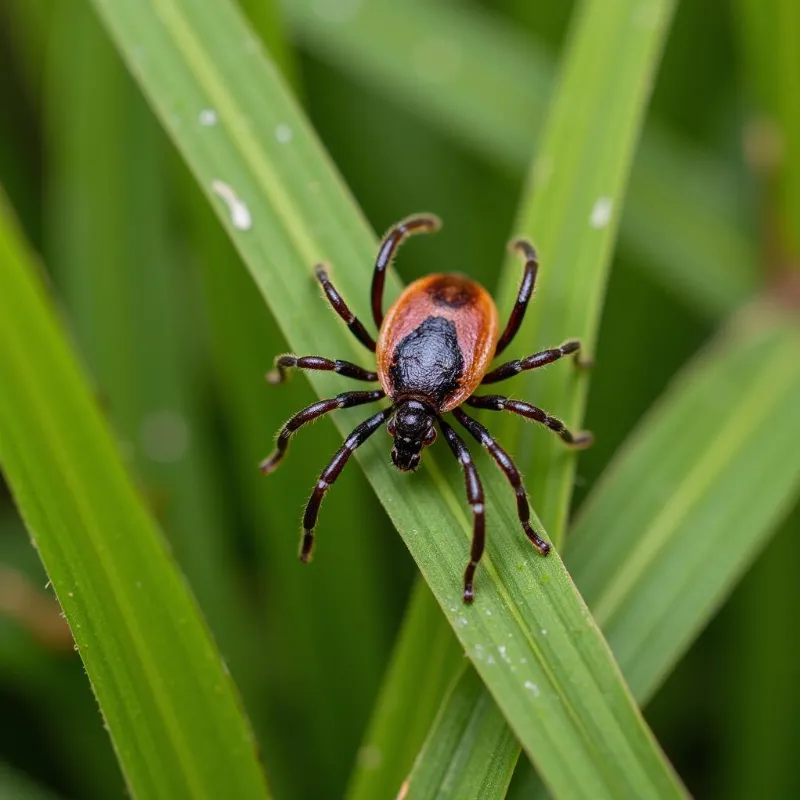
(532, 688)
(207, 117)
(240, 213)
(601, 212)
(283, 133)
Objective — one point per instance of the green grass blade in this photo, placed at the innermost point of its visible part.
(571, 212)
(191, 56)
(426, 657)
(487, 85)
(169, 705)
(655, 564)
(470, 751)
(681, 541)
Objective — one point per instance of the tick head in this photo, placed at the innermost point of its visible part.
(411, 426)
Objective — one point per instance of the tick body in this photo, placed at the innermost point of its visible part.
(437, 341)
(433, 351)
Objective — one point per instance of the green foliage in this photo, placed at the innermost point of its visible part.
(166, 697)
(423, 106)
(470, 751)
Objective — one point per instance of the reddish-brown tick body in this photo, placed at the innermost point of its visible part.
(437, 341)
(434, 349)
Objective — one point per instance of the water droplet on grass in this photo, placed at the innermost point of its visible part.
(207, 117)
(601, 212)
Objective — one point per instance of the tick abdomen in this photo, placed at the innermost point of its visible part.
(437, 340)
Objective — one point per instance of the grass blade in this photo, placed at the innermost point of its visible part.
(470, 751)
(656, 564)
(170, 707)
(487, 85)
(189, 56)
(678, 545)
(571, 211)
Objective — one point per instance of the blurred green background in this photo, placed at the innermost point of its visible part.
(140, 268)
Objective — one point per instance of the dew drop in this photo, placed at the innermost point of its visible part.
(601, 212)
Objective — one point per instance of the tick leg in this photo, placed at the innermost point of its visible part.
(331, 473)
(289, 361)
(475, 499)
(309, 414)
(511, 368)
(417, 223)
(340, 307)
(525, 249)
(512, 473)
(496, 402)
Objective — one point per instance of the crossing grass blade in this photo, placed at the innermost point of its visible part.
(487, 85)
(470, 751)
(656, 563)
(169, 705)
(674, 548)
(286, 209)
(571, 210)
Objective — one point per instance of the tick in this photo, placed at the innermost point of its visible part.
(434, 349)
